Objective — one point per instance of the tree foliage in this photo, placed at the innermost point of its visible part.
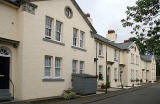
(144, 18)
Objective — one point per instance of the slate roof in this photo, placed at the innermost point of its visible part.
(147, 57)
(14, 2)
(125, 46)
(122, 46)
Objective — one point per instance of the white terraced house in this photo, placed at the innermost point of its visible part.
(42, 42)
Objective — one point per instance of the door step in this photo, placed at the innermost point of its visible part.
(5, 95)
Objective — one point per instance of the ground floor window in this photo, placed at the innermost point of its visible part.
(74, 66)
(81, 67)
(115, 74)
(48, 66)
(58, 61)
(132, 75)
(100, 72)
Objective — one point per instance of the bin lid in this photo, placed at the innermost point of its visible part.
(84, 75)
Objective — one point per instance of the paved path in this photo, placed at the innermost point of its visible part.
(150, 95)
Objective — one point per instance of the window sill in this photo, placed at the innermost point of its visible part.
(101, 56)
(53, 41)
(79, 48)
(52, 80)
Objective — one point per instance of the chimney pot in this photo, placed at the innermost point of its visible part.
(111, 31)
(88, 15)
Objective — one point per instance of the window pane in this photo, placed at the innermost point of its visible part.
(48, 27)
(57, 67)
(57, 72)
(100, 73)
(81, 67)
(100, 49)
(74, 66)
(75, 37)
(47, 71)
(81, 39)
(58, 36)
(48, 66)
(58, 30)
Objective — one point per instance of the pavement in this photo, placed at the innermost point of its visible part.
(148, 94)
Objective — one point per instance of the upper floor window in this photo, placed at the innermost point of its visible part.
(137, 60)
(48, 27)
(74, 66)
(75, 37)
(58, 67)
(81, 67)
(115, 54)
(100, 49)
(81, 39)
(48, 66)
(58, 31)
(132, 58)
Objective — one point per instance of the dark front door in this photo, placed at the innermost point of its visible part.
(4, 72)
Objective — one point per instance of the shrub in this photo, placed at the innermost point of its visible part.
(122, 86)
(69, 94)
(103, 86)
(137, 80)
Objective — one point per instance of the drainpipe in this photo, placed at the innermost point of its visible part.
(106, 70)
(120, 74)
(96, 60)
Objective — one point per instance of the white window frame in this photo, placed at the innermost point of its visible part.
(58, 66)
(81, 65)
(100, 49)
(82, 39)
(48, 58)
(59, 31)
(48, 26)
(74, 66)
(75, 37)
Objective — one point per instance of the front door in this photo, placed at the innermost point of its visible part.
(4, 72)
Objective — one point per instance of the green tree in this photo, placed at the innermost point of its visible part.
(144, 18)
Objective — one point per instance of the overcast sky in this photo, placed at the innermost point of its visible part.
(107, 14)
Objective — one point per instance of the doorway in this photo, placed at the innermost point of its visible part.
(4, 67)
(4, 72)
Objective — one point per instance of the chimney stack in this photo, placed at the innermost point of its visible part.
(112, 36)
(126, 41)
(89, 18)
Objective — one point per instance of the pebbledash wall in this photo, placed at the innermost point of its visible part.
(26, 29)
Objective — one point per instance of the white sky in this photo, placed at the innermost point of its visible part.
(107, 14)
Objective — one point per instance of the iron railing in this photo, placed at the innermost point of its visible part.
(12, 87)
